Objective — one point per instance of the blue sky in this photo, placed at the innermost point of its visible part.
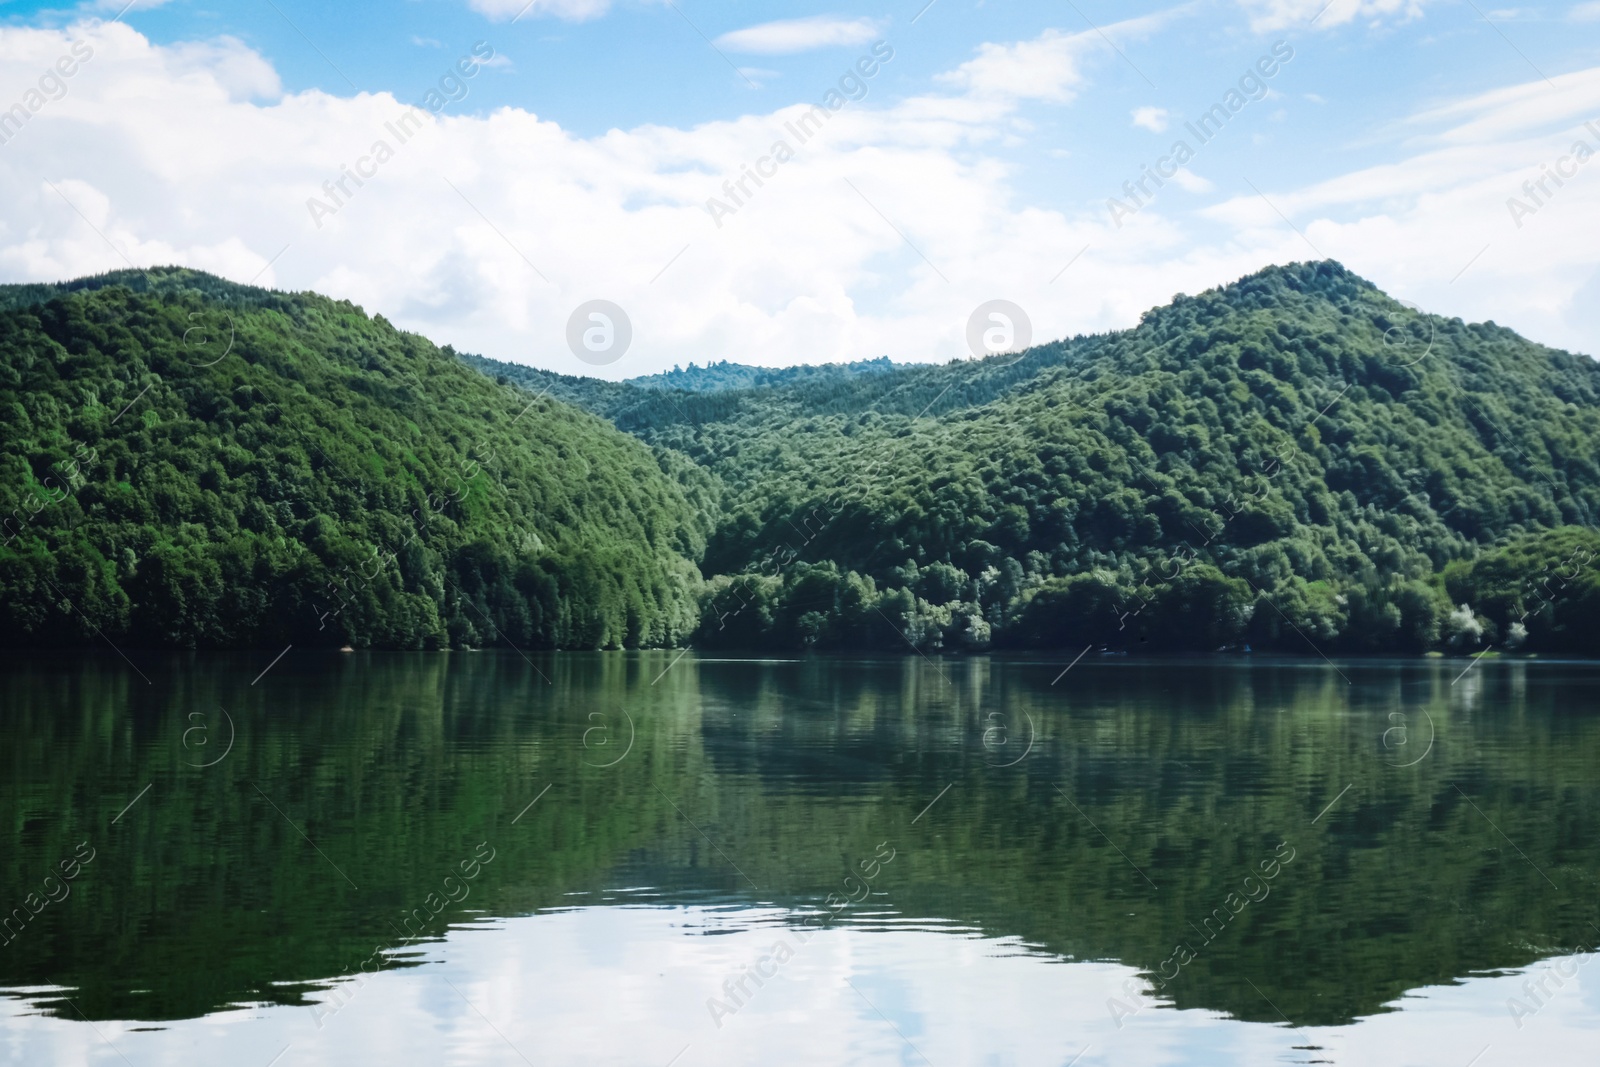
(987, 148)
(634, 63)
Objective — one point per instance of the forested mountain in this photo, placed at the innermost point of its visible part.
(694, 394)
(718, 376)
(1292, 462)
(189, 463)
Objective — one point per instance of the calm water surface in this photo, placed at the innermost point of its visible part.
(652, 860)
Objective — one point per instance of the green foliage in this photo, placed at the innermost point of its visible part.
(1296, 453)
(195, 464)
(1547, 584)
(722, 375)
(1289, 462)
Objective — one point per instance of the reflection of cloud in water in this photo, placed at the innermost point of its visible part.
(628, 985)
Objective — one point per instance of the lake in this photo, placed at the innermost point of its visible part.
(661, 858)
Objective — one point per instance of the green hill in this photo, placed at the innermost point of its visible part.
(1290, 461)
(1294, 462)
(193, 463)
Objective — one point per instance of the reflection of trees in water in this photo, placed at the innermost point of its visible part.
(393, 764)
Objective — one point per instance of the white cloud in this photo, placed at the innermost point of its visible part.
(1269, 15)
(1153, 119)
(1192, 182)
(227, 62)
(787, 36)
(1048, 67)
(574, 10)
(181, 155)
(159, 150)
(1436, 226)
(1586, 12)
(1566, 99)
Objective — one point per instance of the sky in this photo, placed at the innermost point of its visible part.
(778, 184)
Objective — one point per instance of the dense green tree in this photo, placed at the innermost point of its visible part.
(1540, 592)
(1318, 449)
(1291, 462)
(192, 463)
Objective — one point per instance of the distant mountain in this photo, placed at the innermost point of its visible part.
(721, 376)
(711, 391)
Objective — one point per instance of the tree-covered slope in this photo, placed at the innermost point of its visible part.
(696, 394)
(188, 462)
(722, 375)
(1293, 461)
(1293, 458)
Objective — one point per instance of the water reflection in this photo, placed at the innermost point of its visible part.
(1191, 862)
(631, 985)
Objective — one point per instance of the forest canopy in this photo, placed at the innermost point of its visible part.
(1293, 462)
(191, 463)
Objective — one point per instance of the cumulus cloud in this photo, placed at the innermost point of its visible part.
(226, 62)
(787, 36)
(888, 223)
(486, 231)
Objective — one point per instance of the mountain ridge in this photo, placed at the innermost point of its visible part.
(1424, 441)
(1292, 461)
